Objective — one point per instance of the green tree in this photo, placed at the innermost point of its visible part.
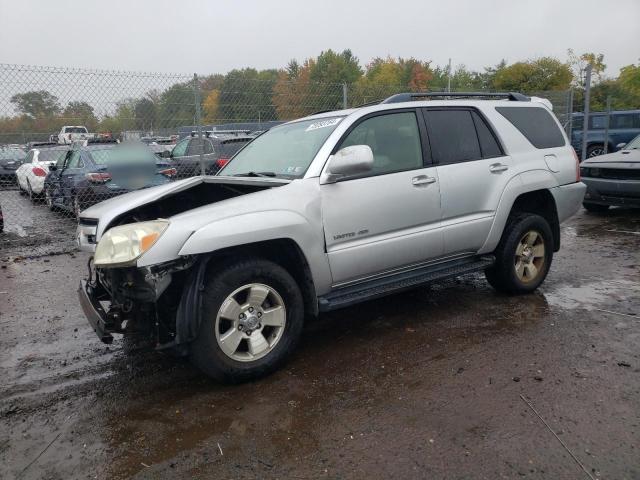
(546, 73)
(145, 112)
(630, 79)
(333, 67)
(246, 95)
(36, 104)
(81, 113)
(177, 106)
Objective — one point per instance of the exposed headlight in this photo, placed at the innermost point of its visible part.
(124, 244)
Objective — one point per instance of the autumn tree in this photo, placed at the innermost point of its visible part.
(210, 106)
(81, 113)
(579, 63)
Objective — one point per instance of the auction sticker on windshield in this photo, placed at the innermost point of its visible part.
(324, 123)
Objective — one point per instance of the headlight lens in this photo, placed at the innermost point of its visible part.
(124, 244)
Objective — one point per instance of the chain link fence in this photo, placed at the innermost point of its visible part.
(71, 138)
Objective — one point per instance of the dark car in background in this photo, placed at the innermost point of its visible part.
(95, 172)
(613, 179)
(624, 126)
(10, 159)
(216, 151)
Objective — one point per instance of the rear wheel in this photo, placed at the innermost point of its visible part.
(595, 208)
(523, 256)
(252, 317)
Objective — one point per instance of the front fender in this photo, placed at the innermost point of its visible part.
(263, 226)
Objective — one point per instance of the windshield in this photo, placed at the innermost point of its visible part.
(51, 155)
(285, 151)
(123, 155)
(633, 144)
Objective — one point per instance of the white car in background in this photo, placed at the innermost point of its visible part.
(73, 133)
(31, 174)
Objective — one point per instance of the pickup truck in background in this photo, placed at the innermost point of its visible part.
(70, 133)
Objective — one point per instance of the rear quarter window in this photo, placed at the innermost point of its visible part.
(536, 124)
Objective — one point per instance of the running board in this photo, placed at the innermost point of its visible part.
(347, 296)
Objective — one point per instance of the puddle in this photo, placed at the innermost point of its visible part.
(593, 295)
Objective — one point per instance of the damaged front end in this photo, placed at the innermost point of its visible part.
(156, 303)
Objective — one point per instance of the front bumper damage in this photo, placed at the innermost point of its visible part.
(139, 301)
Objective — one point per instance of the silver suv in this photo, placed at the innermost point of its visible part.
(328, 211)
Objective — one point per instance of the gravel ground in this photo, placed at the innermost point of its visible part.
(425, 384)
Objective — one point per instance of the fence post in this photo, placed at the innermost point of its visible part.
(606, 128)
(585, 121)
(569, 126)
(344, 96)
(196, 96)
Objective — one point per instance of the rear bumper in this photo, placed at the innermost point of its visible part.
(612, 192)
(94, 312)
(568, 199)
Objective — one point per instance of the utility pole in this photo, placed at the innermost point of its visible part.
(585, 122)
(449, 77)
(196, 96)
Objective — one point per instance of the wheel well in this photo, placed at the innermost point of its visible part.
(541, 203)
(286, 253)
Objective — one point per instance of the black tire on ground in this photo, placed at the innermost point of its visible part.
(205, 352)
(595, 150)
(502, 275)
(595, 208)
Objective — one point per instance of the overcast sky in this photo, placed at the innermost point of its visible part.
(185, 36)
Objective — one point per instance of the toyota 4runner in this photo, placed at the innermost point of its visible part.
(327, 211)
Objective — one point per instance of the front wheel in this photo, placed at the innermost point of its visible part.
(252, 316)
(49, 199)
(523, 256)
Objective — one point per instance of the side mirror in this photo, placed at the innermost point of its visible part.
(165, 154)
(620, 146)
(349, 161)
(53, 168)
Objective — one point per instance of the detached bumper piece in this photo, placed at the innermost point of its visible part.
(94, 312)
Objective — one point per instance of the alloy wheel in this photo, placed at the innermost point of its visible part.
(250, 322)
(530, 256)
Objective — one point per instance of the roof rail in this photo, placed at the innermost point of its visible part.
(410, 97)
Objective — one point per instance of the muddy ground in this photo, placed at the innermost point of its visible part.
(424, 384)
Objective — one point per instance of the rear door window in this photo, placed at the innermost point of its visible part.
(452, 135)
(536, 124)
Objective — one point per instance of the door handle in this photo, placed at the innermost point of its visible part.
(422, 180)
(498, 167)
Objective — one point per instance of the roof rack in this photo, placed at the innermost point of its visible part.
(410, 97)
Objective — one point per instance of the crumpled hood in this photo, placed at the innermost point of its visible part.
(105, 212)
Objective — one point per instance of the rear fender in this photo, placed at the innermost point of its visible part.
(523, 183)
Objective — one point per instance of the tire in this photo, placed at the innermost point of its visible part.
(595, 207)
(219, 320)
(513, 273)
(595, 151)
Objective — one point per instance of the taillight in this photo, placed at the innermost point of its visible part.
(100, 177)
(221, 162)
(575, 155)
(169, 172)
(39, 172)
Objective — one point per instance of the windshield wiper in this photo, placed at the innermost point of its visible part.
(255, 174)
